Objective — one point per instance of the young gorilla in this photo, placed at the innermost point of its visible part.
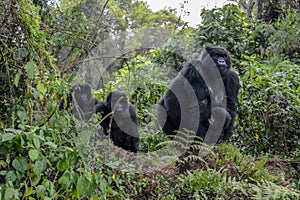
(203, 94)
(120, 121)
(80, 101)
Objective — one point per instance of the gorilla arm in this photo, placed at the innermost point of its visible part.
(232, 87)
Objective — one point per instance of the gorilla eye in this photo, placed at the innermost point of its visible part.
(215, 57)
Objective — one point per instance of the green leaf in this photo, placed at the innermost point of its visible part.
(33, 154)
(29, 96)
(36, 142)
(51, 144)
(62, 165)
(40, 190)
(29, 191)
(64, 182)
(17, 79)
(12, 130)
(7, 137)
(10, 176)
(10, 193)
(40, 166)
(19, 174)
(94, 197)
(41, 87)
(259, 165)
(35, 179)
(85, 187)
(30, 68)
(22, 53)
(103, 186)
(73, 178)
(20, 164)
(3, 150)
(22, 114)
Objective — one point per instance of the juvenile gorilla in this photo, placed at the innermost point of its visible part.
(80, 101)
(204, 93)
(120, 121)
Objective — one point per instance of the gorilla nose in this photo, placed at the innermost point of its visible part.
(221, 61)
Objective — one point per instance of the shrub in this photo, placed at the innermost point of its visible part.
(269, 108)
(228, 27)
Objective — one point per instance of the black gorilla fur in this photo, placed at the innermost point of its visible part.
(80, 101)
(120, 121)
(199, 100)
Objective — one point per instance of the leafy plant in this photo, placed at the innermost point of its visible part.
(228, 27)
(269, 108)
(284, 42)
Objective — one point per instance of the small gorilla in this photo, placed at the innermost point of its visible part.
(203, 94)
(120, 121)
(80, 101)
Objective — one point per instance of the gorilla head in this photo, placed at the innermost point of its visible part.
(220, 56)
(118, 102)
(80, 101)
(83, 95)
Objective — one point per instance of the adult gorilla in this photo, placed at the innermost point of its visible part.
(203, 95)
(80, 101)
(120, 121)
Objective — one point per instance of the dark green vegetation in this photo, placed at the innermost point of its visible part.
(47, 154)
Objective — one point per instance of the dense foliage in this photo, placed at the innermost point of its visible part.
(48, 154)
(270, 107)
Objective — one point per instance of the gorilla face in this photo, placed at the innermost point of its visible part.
(118, 102)
(83, 93)
(221, 58)
(83, 97)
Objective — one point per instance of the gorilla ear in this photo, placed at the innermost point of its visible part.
(229, 60)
